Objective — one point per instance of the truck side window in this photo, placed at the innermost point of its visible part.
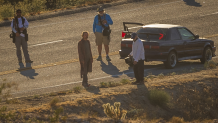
(186, 35)
(175, 34)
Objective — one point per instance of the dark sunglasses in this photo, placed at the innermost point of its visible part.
(18, 12)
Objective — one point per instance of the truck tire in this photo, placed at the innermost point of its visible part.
(171, 60)
(207, 56)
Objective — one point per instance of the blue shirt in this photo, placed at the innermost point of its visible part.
(97, 26)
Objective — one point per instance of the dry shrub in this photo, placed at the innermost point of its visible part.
(210, 64)
(6, 11)
(158, 97)
(177, 120)
(54, 101)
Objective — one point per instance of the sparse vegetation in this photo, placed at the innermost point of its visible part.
(125, 81)
(114, 111)
(134, 113)
(54, 101)
(77, 89)
(161, 76)
(35, 7)
(158, 97)
(56, 115)
(177, 120)
(210, 64)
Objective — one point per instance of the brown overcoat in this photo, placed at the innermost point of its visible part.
(85, 68)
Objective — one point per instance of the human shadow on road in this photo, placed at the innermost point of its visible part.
(93, 89)
(110, 69)
(192, 3)
(27, 71)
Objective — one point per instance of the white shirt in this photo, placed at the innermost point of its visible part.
(138, 52)
(20, 25)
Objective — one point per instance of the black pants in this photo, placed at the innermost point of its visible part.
(139, 71)
(85, 77)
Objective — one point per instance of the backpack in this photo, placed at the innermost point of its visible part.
(107, 30)
(13, 35)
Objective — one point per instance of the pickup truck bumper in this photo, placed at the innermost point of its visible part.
(213, 51)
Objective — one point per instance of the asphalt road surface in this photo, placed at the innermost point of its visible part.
(53, 44)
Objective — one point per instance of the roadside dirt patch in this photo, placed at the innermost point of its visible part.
(194, 97)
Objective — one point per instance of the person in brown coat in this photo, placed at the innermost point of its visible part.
(85, 58)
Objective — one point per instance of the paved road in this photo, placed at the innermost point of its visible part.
(53, 44)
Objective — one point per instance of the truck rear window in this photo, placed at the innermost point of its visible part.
(154, 34)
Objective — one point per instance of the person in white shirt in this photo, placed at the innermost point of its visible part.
(138, 57)
(19, 26)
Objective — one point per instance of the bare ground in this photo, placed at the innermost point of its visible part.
(193, 97)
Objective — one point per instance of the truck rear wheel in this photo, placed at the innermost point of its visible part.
(171, 60)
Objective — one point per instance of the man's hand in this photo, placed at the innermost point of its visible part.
(17, 34)
(104, 21)
(21, 29)
(135, 62)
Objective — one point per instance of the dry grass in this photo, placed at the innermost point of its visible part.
(54, 101)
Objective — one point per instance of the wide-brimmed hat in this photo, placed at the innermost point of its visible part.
(100, 9)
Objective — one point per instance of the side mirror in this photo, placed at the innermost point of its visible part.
(196, 36)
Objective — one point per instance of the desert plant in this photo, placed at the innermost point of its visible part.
(125, 81)
(56, 115)
(158, 97)
(77, 89)
(210, 64)
(37, 6)
(6, 11)
(173, 73)
(177, 120)
(114, 111)
(161, 76)
(103, 85)
(6, 116)
(54, 101)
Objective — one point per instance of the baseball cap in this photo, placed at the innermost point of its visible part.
(100, 9)
(133, 35)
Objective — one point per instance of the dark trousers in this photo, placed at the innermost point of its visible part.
(85, 77)
(139, 71)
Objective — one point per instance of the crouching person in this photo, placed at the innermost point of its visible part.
(85, 58)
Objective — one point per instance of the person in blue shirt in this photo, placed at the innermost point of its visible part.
(98, 31)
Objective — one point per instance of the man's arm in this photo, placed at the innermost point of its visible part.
(94, 25)
(12, 26)
(81, 58)
(109, 20)
(26, 23)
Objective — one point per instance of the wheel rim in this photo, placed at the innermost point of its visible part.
(208, 55)
(173, 60)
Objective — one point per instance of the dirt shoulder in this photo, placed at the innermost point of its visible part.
(193, 94)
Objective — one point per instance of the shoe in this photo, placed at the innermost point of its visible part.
(29, 61)
(86, 85)
(108, 58)
(99, 58)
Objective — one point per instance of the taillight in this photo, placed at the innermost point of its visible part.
(123, 45)
(155, 47)
(146, 46)
(126, 45)
(123, 34)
